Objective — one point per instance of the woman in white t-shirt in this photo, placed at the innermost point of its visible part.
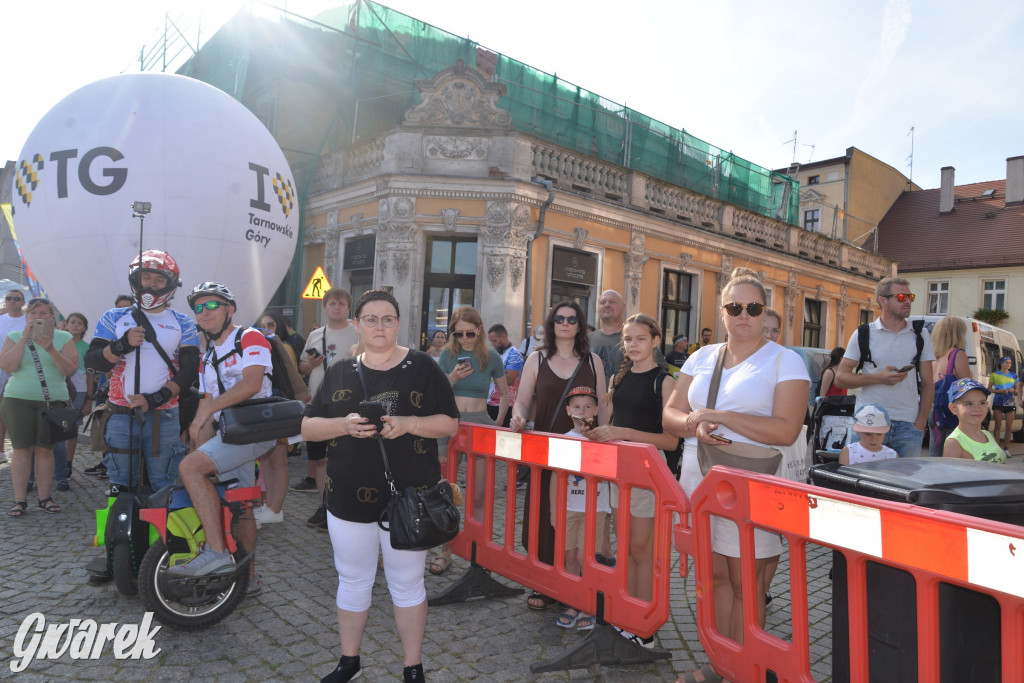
(761, 400)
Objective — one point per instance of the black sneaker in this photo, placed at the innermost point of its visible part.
(413, 674)
(347, 670)
(322, 526)
(606, 561)
(97, 471)
(319, 517)
(306, 485)
(63, 486)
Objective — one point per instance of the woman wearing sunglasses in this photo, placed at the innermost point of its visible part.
(762, 400)
(471, 366)
(564, 361)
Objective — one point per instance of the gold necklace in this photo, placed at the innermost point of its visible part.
(375, 365)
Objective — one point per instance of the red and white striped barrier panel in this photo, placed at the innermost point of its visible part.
(933, 546)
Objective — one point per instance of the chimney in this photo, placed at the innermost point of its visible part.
(1014, 181)
(946, 190)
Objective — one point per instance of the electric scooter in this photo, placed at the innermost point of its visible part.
(190, 603)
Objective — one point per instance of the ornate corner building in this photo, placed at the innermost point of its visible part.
(448, 190)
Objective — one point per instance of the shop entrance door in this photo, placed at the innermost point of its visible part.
(449, 282)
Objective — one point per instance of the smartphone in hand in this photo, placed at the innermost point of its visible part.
(465, 360)
(906, 368)
(41, 328)
(373, 411)
(721, 438)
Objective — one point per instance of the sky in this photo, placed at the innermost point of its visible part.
(739, 74)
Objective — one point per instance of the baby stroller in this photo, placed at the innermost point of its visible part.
(832, 422)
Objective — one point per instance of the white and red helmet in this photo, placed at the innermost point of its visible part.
(154, 261)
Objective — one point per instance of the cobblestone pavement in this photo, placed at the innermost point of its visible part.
(289, 632)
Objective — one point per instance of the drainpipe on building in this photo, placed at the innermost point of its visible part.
(544, 182)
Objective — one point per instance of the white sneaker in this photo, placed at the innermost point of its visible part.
(264, 515)
(1005, 450)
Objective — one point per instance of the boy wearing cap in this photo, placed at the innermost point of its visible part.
(968, 400)
(581, 404)
(871, 422)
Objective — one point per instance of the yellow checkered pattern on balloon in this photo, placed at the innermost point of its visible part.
(285, 193)
(27, 178)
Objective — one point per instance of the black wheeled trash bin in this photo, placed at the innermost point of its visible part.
(969, 629)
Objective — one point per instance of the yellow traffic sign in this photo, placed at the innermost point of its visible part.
(318, 285)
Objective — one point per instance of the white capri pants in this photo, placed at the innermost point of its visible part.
(355, 557)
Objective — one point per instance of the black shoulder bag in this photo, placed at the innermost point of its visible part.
(568, 386)
(257, 419)
(59, 424)
(418, 519)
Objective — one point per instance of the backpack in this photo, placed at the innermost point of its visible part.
(864, 344)
(940, 408)
(285, 379)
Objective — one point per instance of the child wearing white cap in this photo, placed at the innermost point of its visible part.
(871, 422)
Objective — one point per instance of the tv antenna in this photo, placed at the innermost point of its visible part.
(793, 163)
(911, 157)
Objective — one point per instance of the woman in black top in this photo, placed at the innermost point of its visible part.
(419, 408)
(638, 396)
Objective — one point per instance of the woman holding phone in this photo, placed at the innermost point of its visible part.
(762, 400)
(418, 408)
(471, 366)
(24, 403)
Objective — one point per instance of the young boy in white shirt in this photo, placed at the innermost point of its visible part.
(871, 422)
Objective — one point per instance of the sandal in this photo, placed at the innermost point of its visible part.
(48, 505)
(586, 622)
(18, 509)
(706, 673)
(568, 618)
(539, 601)
(439, 565)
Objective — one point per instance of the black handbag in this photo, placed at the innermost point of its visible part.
(58, 424)
(417, 519)
(261, 419)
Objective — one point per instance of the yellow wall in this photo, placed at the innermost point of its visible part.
(874, 186)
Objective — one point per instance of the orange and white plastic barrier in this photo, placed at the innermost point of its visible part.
(601, 590)
(933, 546)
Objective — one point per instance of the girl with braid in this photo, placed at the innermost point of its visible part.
(638, 395)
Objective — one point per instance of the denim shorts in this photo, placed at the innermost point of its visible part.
(236, 461)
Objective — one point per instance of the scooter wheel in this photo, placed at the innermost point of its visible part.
(121, 568)
(180, 608)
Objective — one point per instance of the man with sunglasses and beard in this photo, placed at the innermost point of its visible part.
(890, 378)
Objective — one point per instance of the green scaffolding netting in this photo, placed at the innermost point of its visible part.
(383, 51)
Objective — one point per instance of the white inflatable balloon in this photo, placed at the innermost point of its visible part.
(224, 203)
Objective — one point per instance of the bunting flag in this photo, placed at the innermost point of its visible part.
(30, 279)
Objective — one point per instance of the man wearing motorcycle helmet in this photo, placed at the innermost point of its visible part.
(226, 378)
(166, 345)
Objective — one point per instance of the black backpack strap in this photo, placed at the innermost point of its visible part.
(864, 345)
(658, 382)
(917, 326)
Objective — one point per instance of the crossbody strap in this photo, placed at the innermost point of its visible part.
(568, 386)
(150, 336)
(716, 378)
(377, 437)
(39, 371)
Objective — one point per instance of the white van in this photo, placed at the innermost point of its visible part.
(986, 344)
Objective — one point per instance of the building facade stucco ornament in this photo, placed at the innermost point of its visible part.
(396, 239)
(450, 216)
(792, 291)
(505, 238)
(819, 292)
(459, 96)
(635, 261)
(458, 148)
(581, 238)
(685, 260)
(841, 306)
(722, 277)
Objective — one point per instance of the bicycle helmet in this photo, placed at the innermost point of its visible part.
(154, 261)
(211, 289)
